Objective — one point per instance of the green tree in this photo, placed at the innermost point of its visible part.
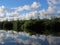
(15, 25)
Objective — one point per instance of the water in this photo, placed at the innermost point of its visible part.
(22, 38)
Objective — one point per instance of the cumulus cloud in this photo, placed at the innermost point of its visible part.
(1, 15)
(34, 5)
(52, 9)
(31, 15)
(53, 2)
(12, 14)
(26, 7)
(49, 12)
(27, 16)
(2, 9)
(58, 13)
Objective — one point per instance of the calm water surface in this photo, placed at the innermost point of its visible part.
(22, 38)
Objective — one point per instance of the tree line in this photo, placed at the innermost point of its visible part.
(33, 26)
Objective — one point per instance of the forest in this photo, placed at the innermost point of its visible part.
(33, 26)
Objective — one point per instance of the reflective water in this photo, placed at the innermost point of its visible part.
(22, 38)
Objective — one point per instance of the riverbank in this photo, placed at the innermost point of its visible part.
(34, 26)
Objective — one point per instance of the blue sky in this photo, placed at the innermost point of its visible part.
(17, 3)
(25, 9)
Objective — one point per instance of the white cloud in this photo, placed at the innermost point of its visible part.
(17, 9)
(26, 7)
(27, 16)
(52, 8)
(58, 13)
(12, 14)
(34, 5)
(1, 15)
(53, 2)
(47, 13)
(2, 9)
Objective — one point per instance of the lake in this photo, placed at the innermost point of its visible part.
(23, 38)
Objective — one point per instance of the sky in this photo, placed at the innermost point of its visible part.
(26, 9)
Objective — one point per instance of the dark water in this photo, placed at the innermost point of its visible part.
(22, 38)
